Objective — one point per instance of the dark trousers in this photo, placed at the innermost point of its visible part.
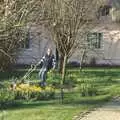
(43, 76)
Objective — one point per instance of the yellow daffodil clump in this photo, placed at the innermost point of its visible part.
(33, 88)
(27, 92)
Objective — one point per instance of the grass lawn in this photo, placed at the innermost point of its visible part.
(51, 110)
(43, 111)
(106, 80)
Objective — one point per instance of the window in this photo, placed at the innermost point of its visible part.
(26, 42)
(104, 10)
(94, 40)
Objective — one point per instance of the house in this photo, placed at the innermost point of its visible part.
(34, 47)
(103, 40)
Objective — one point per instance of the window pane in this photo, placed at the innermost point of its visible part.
(94, 40)
(26, 42)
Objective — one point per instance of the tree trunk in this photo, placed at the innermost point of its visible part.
(60, 64)
(63, 77)
(81, 59)
(57, 58)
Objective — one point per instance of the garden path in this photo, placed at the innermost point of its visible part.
(109, 111)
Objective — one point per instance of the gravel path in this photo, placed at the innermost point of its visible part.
(109, 111)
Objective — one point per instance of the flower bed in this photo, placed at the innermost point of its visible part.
(8, 96)
(33, 92)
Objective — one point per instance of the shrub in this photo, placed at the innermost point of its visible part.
(70, 81)
(1, 86)
(87, 89)
(53, 77)
(6, 97)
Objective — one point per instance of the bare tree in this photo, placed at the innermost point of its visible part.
(14, 17)
(68, 22)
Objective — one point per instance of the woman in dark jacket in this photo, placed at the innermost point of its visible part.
(48, 63)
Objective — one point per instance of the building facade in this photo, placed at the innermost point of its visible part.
(103, 40)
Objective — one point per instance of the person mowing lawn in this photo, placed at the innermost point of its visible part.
(48, 63)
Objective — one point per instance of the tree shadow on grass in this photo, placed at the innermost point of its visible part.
(73, 101)
(96, 72)
(77, 99)
(16, 74)
(90, 101)
(10, 75)
(28, 105)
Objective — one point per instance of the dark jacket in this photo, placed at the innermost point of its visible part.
(48, 62)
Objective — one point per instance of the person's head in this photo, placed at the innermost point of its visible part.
(49, 51)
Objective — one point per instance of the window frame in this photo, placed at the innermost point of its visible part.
(104, 10)
(25, 44)
(98, 37)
